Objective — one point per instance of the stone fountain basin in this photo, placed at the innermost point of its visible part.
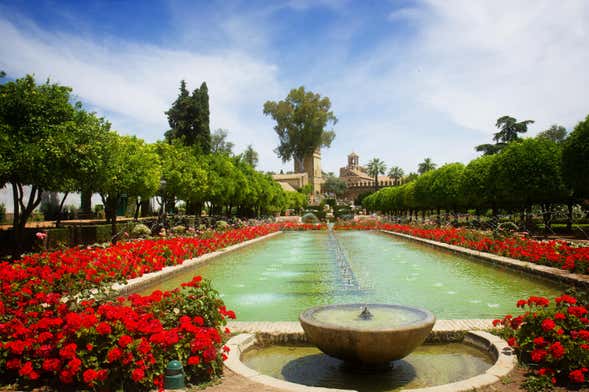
(376, 344)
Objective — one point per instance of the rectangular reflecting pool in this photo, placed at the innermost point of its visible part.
(276, 279)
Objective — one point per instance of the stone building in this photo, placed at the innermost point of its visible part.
(358, 180)
(307, 171)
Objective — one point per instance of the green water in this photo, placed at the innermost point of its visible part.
(428, 365)
(276, 279)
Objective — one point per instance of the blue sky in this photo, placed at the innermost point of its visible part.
(407, 79)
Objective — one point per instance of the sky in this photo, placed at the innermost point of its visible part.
(407, 79)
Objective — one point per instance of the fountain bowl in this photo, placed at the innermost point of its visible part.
(391, 333)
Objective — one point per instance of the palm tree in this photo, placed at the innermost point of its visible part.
(396, 173)
(426, 166)
(375, 167)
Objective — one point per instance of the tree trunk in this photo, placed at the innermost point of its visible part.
(570, 215)
(58, 221)
(137, 207)
(22, 213)
(146, 209)
(86, 202)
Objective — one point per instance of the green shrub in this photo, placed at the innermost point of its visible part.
(178, 229)
(140, 230)
(310, 218)
(221, 225)
(552, 339)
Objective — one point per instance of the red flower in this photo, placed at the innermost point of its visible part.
(125, 340)
(548, 325)
(193, 360)
(103, 328)
(557, 350)
(114, 354)
(51, 365)
(69, 351)
(138, 374)
(577, 376)
(538, 355)
(28, 371)
(90, 376)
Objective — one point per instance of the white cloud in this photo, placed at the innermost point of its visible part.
(134, 84)
(481, 60)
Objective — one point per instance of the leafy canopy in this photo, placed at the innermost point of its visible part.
(301, 121)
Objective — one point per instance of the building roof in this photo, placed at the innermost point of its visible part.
(353, 154)
(286, 187)
(290, 176)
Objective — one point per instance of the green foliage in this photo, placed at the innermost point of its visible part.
(575, 158)
(221, 225)
(477, 183)
(250, 156)
(178, 229)
(555, 133)
(551, 338)
(375, 167)
(189, 118)
(425, 166)
(396, 173)
(334, 185)
(300, 123)
(509, 128)
(220, 144)
(296, 201)
(2, 212)
(140, 230)
(309, 217)
(529, 172)
(445, 188)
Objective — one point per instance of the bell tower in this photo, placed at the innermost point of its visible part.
(311, 165)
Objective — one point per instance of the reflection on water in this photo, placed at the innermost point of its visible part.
(277, 279)
(428, 365)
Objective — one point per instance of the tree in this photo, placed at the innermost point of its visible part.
(189, 118)
(375, 167)
(185, 175)
(396, 173)
(131, 168)
(36, 123)
(301, 120)
(575, 156)
(426, 166)
(250, 156)
(555, 133)
(529, 172)
(334, 185)
(220, 144)
(509, 128)
(445, 188)
(477, 184)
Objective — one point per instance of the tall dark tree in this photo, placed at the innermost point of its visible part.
(301, 120)
(509, 128)
(189, 118)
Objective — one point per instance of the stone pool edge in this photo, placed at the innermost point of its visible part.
(152, 278)
(291, 332)
(550, 273)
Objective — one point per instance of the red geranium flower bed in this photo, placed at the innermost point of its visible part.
(58, 328)
(552, 338)
(554, 253)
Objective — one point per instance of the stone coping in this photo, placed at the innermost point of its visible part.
(153, 278)
(496, 347)
(556, 275)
